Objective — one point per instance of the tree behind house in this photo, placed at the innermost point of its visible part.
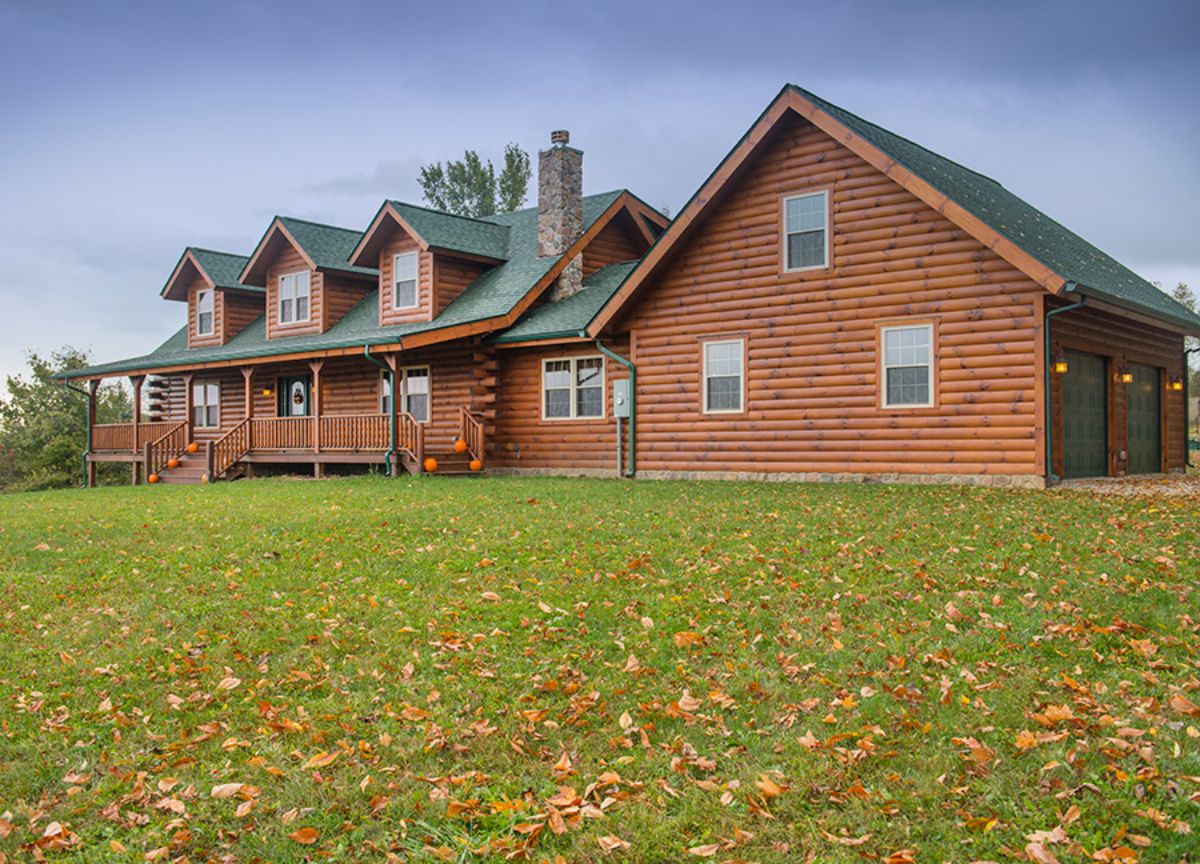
(470, 187)
(43, 427)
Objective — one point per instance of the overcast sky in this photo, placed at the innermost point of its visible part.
(129, 130)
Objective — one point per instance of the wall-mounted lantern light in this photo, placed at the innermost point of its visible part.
(1060, 363)
(1124, 375)
(1175, 384)
(267, 391)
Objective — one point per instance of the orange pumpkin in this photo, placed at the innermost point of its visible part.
(460, 446)
(193, 447)
(153, 478)
(430, 464)
(476, 465)
(172, 463)
(203, 479)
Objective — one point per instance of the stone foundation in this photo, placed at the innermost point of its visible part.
(1018, 481)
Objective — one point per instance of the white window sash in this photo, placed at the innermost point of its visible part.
(415, 278)
(206, 405)
(823, 195)
(885, 366)
(573, 388)
(294, 287)
(740, 353)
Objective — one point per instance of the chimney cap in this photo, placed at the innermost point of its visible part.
(559, 137)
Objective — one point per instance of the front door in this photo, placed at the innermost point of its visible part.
(295, 393)
(1085, 416)
(1143, 407)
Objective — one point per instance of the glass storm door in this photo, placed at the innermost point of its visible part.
(295, 395)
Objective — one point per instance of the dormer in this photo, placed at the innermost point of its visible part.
(304, 269)
(219, 305)
(425, 258)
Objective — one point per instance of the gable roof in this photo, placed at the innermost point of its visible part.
(494, 300)
(323, 247)
(435, 229)
(1046, 251)
(218, 269)
(569, 317)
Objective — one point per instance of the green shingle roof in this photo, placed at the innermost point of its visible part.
(1059, 248)
(327, 245)
(572, 315)
(456, 233)
(493, 294)
(223, 268)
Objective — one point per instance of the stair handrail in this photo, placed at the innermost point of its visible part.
(167, 446)
(410, 436)
(471, 430)
(226, 451)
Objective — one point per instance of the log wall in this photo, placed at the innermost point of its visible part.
(288, 260)
(813, 403)
(618, 241)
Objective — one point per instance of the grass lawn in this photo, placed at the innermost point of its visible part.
(464, 670)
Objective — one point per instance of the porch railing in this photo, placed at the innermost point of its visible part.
(132, 437)
(228, 450)
(471, 429)
(410, 436)
(281, 433)
(168, 446)
(351, 432)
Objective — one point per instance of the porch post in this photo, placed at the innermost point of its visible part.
(315, 366)
(393, 363)
(187, 403)
(248, 378)
(136, 381)
(93, 386)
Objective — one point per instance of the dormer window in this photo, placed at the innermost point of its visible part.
(294, 295)
(204, 313)
(404, 281)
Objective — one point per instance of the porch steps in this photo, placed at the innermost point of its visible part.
(191, 469)
(451, 464)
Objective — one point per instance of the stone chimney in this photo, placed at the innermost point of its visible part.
(560, 208)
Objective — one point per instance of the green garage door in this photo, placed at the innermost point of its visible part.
(1085, 416)
(1145, 434)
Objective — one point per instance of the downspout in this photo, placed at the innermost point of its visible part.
(88, 422)
(1187, 380)
(391, 376)
(628, 364)
(1051, 477)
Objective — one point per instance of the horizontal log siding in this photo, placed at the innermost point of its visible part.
(233, 401)
(340, 295)
(524, 440)
(400, 242)
(238, 311)
(287, 260)
(1120, 341)
(450, 277)
(618, 241)
(812, 391)
(215, 338)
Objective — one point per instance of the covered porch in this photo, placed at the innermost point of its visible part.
(212, 424)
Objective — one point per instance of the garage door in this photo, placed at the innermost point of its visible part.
(1085, 416)
(1145, 435)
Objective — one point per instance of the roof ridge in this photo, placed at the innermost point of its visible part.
(808, 94)
(318, 224)
(217, 252)
(480, 220)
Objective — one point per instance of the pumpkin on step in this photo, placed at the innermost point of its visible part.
(430, 464)
(476, 465)
(193, 447)
(172, 463)
(153, 478)
(460, 446)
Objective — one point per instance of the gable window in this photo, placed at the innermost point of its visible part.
(907, 365)
(294, 293)
(204, 313)
(573, 388)
(206, 405)
(412, 392)
(724, 378)
(805, 231)
(404, 281)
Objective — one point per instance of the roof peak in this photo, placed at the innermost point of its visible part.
(282, 218)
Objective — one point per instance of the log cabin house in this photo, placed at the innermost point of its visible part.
(834, 302)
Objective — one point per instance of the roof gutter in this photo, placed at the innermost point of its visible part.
(1069, 288)
(391, 378)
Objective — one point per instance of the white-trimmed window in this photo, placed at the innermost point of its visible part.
(724, 376)
(412, 391)
(573, 388)
(206, 405)
(907, 365)
(404, 281)
(806, 231)
(294, 294)
(204, 312)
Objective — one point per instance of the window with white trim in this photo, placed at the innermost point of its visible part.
(206, 405)
(404, 281)
(294, 297)
(724, 376)
(907, 365)
(806, 231)
(573, 388)
(412, 392)
(204, 313)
